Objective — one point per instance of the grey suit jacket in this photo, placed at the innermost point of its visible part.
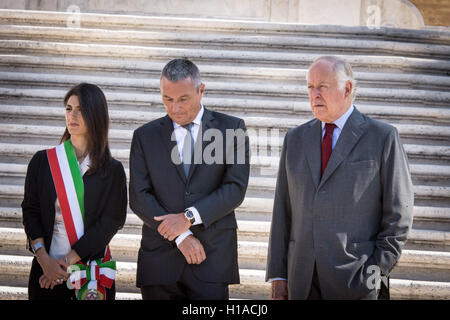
(349, 222)
(158, 186)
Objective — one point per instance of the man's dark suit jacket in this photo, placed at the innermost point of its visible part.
(105, 205)
(158, 186)
(350, 222)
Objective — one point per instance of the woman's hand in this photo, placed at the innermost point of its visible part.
(72, 257)
(46, 283)
(54, 269)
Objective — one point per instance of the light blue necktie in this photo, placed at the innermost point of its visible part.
(188, 149)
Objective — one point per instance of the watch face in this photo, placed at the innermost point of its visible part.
(189, 214)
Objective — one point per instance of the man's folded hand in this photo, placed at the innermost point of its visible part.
(192, 250)
(172, 225)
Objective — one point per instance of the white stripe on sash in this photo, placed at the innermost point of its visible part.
(92, 265)
(70, 190)
(108, 272)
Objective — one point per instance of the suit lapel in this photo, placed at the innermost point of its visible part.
(352, 131)
(166, 135)
(208, 121)
(313, 150)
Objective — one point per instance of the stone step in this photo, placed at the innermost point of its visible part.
(262, 107)
(131, 118)
(148, 69)
(267, 186)
(420, 191)
(52, 80)
(224, 57)
(252, 254)
(13, 293)
(436, 175)
(253, 229)
(425, 172)
(141, 22)
(249, 230)
(255, 226)
(253, 209)
(287, 43)
(270, 164)
(409, 289)
(267, 139)
(15, 270)
(21, 293)
(262, 186)
(242, 93)
(399, 290)
(26, 151)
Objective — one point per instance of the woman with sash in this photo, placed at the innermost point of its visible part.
(75, 201)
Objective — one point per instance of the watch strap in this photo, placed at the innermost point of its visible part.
(37, 246)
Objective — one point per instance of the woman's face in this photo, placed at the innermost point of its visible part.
(74, 119)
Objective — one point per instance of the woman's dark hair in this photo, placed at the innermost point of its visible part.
(94, 110)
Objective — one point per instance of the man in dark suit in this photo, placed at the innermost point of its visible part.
(188, 172)
(344, 197)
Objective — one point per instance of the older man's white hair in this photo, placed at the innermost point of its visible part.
(343, 71)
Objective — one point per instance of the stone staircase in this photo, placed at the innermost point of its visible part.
(251, 69)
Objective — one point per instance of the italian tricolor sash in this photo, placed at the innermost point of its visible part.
(89, 279)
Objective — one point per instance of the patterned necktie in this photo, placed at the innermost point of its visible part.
(327, 144)
(188, 149)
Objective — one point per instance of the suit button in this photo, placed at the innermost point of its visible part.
(187, 193)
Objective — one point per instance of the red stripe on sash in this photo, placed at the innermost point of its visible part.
(62, 196)
(105, 281)
(97, 273)
(107, 256)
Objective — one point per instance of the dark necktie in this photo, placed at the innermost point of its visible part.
(327, 144)
(188, 148)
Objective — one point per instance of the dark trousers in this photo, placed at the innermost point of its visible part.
(189, 287)
(315, 293)
(59, 292)
(384, 291)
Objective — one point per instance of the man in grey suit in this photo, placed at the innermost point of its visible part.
(344, 198)
(189, 170)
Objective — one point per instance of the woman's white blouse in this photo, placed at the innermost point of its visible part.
(60, 245)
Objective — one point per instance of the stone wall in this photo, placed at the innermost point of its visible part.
(434, 12)
(372, 13)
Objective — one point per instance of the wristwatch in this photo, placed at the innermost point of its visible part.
(35, 247)
(189, 215)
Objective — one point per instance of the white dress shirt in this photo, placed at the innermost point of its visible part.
(180, 134)
(60, 245)
(340, 123)
(339, 126)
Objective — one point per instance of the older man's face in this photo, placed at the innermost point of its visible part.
(328, 102)
(181, 99)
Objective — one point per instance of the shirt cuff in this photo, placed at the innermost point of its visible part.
(275, 279)
(198, 219)
(182, 236)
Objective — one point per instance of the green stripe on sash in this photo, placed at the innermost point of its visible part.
(76, 174)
